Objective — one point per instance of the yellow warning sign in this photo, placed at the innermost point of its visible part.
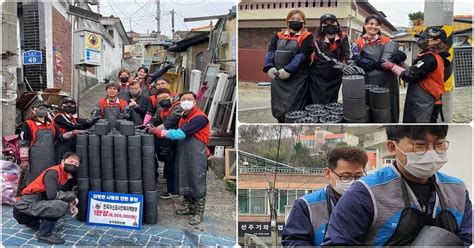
(93, 41)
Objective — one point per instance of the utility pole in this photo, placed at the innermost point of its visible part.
(9, 84)
(172, 23)
(273, 214)
(440, 13)
(158, 13)
(130, 23)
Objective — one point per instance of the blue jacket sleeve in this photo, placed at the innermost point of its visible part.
(270, 55)
(304, 52)
(298, 230)
(351, 218)
(465, 230)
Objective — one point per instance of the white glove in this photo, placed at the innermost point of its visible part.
(273, 73)
(73, 210)
(283, 74)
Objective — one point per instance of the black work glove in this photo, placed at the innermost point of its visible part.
(398, 57)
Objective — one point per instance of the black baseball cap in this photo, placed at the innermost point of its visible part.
(327, 17)
(67, 99)
(433, 33)
(40, 104)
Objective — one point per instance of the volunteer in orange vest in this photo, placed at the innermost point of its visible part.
(191, 156)
(287, 64)
(37, 139)
(332, 52)
(425, 77)
(112, 107)
(168, 116)
(153, 106)
(43, 201)
(367, 54)
(67, 120)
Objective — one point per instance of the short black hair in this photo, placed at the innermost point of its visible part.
(367, 20)
(350, 154)
(71, 154)
(163, 79)
(186, 93)
(162, 91)
(398, 132)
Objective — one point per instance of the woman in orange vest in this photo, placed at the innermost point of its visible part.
(367, 54)
(425, 77)
(67, 120)
(193, 137)
(332, 52)
(44, 200)
(37, 139)
(287, 64)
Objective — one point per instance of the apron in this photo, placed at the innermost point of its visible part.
(42, 154)
(419, 105)
(382, 78)
(111, 115)
(191, 168)
(325, 80)
(412, 220)
(290, 94)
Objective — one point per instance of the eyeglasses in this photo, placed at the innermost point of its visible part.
(347, 178)
(422, 147)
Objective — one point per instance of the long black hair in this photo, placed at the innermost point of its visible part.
(146, 79)
(324, 46)
(367, 20)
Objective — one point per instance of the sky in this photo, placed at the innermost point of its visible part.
(397, 11)
(142, 13)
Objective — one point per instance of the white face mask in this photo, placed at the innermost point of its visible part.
(342, 187)
(187, 105)
(423, 165)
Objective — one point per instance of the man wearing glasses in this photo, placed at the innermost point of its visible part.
(392, 205)
(310, 214)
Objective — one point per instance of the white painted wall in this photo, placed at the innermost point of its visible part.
(460, 153)
(111, 57)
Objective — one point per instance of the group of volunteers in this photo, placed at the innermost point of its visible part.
(47, 147)
(307, 68)
(409, 202)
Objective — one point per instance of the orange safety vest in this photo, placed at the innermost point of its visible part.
(103, 104)
(299, 38)
(61, 129)
(434, 83)
(204, 133)
(361, 42)
(34, 127)
(153, 99)
(37, 186)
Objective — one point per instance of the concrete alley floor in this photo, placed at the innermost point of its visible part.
(254, 104)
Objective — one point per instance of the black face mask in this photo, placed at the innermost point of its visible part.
(165, 103)
(69, 109)
(330, 29)
(70, 168)
(295, 25)
(124, 79)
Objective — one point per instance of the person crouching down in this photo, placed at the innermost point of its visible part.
(43, 202)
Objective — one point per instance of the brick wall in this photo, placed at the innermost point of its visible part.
(62, 45)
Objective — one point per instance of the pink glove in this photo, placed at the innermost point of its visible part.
(387, 65)
(157, 132)
(24, 158)
(147, 119)
(398, 70)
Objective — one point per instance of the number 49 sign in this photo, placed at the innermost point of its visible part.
(32, 57)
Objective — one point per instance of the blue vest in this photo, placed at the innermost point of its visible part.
(318, 212)
(384, 186)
